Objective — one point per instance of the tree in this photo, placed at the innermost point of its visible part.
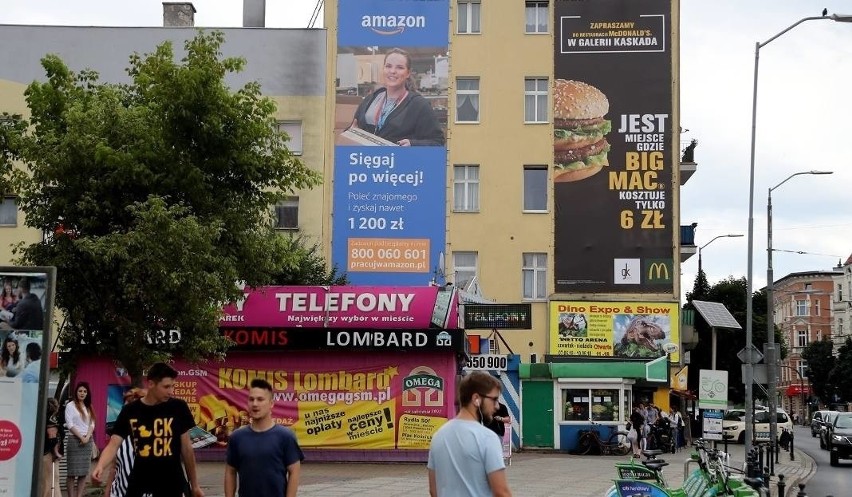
(730, 292)
(700, 288)
(841, 375)
(303, 266)
(156, 196)
(821, 362)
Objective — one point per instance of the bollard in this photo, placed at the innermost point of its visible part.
(801, 491)
(782, 485)
(792, 454)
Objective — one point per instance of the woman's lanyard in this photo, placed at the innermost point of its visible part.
(385, 109)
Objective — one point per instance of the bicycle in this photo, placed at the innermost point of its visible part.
(616, 444)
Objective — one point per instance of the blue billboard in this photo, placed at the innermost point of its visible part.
(390, 158)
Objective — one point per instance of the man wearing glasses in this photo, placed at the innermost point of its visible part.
(466, 458)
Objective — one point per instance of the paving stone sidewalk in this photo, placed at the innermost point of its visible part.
(531, 474)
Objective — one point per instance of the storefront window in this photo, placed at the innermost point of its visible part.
(599, 404)
(575, 404)
(605, 405)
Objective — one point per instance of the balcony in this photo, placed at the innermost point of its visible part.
(687, 169)
(687, 242)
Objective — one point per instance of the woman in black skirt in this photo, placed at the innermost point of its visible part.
(80, 421)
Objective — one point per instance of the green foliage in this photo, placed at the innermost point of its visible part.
(841, 375)
(157, 193)
(732, 293)
(302, 265)
(821, 362)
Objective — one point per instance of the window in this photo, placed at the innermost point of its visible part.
(819, 336)
(803, 369)
(294, 131)
(467, 100)
(287, 214)
(535, 188)
(535, 276)
(9, 212)
(840, 292)
(801, 308)
(535, 100)
(581, 404)
(464, 268)
(808, 287)
(468, 17)
(816, 307)
(802, 339)
(466, 188)
(537, 16)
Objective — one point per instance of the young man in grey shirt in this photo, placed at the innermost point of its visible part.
(465, 457)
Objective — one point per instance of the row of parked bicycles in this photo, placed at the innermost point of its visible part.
(712, 476)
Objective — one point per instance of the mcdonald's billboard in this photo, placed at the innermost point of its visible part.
(615, 151)
(630, 330)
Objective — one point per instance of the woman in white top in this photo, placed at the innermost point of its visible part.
(80, 421)
(12, 362)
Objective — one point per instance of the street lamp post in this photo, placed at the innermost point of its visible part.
(732, 235)
(749, 367)
(771, 363)
(713, 348)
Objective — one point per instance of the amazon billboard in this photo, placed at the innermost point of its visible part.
(614, 147)
(390, 127)
(627, 330)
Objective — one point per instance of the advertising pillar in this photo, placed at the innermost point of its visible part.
(390, 125)
(613, 143)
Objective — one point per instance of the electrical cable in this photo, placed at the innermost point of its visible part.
(315, 14)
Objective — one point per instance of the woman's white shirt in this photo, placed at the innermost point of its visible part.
(73, 419)
(14, 368)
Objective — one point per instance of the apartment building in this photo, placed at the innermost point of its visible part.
(588, 255)
(802, 306)
(841, 328)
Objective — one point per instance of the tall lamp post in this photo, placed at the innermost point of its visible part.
(772, 370)
(749, 367)
(711, 241)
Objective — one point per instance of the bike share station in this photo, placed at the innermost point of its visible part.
(711, 475)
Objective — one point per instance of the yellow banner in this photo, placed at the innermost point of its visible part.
(635, 330)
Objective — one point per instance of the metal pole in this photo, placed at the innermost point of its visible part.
(749, 367)
(748, 378)
(772, 370)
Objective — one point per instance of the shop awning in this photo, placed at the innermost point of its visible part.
(796, 390)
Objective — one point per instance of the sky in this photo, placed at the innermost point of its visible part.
(803, 115)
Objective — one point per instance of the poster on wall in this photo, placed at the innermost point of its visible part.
(613, 140)
(25, 314)
(334, 401)
(630, 330)
(390, 151)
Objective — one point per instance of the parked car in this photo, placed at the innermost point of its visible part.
(816, 422)
(840, 437)
(733, 424)
(825, 429)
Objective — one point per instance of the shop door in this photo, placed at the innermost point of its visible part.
(537, 413)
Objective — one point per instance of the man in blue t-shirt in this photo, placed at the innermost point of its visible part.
(465, 457)
(266, 456)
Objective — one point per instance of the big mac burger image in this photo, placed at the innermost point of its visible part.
(579, 147)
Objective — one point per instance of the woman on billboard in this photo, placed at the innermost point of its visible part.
(397, 112)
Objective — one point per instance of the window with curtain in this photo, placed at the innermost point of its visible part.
(535, 275)
(464, 268)
(466, 188)
(467, 100)
(468, 21)
(9, 212)
(535, 100)
(801, 307)
(294, 131)
(536, 17)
